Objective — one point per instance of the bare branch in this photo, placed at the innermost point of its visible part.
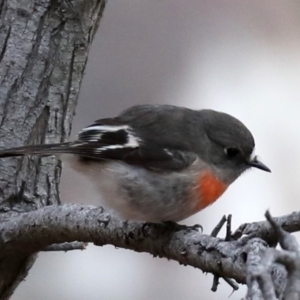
(286, 240)
(247, 260)
(219, 226)
(214, 233)
(262, 268)
(259, 270)
(263, 229)
(34, 231)
(289, 258)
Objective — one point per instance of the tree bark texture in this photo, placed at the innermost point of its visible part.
(269, 273)
(43, 52)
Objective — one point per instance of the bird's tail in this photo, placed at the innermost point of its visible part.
(48, 149)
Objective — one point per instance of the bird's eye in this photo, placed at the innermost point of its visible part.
(231, 152)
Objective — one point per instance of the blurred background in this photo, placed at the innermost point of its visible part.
(240, 57)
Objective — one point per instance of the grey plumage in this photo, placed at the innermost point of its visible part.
(146, 161)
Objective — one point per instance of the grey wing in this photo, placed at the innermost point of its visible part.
(138, 137)
(151, 137)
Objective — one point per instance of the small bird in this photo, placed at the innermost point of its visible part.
(158, 163)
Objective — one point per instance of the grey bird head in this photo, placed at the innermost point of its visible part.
(230, 144)
(220, 140)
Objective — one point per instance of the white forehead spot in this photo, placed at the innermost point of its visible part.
(252, 155)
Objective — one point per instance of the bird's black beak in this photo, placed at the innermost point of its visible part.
(259, 165)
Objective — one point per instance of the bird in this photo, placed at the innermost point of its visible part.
(158, 163)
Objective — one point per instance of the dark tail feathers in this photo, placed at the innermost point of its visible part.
(48, 149)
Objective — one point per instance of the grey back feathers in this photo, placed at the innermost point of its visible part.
(205, 133)
(158, 137)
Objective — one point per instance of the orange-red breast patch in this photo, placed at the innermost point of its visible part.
(210, 188)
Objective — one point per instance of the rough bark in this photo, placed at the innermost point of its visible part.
(33, 231)
(268, 272)
(43, 51)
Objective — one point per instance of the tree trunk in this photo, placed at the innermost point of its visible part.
(43, 52)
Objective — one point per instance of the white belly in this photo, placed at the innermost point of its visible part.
(138, 194)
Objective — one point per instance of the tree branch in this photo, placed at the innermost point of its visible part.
(285, 283)
(33, 231)
(263, 229)
(269, 273)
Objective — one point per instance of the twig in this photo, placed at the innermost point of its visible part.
(214, 233)
(218, 228)
(263, 229)
(232, 283)
(228, 228)
(260, 266)
(286, 240)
